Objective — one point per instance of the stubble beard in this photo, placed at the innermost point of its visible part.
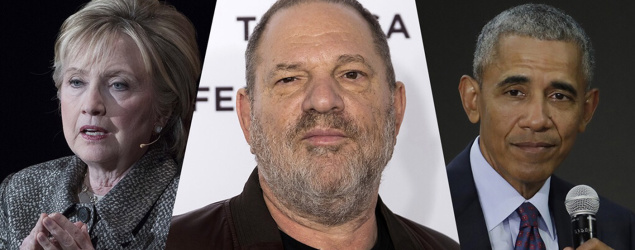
(297, 175)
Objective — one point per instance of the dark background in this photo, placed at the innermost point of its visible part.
(602, 156)
(31, 122)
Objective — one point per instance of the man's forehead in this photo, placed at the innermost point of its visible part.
(315, 31)
(315, 19)
(516, 48)
(328, 12)
(301, 65)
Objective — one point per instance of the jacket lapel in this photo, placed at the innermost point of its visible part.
(467, 207)
(67, 186)
(126, 205)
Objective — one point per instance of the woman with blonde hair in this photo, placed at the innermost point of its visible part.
(126, 73)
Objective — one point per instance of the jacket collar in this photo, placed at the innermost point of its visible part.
(253, 223)
(124, 207)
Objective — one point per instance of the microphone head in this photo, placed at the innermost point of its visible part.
(582, 199)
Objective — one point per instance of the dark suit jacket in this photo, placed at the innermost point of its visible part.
(616, 225)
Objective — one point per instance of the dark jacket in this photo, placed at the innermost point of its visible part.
(135, 214)
(244, 222)
(616, 225)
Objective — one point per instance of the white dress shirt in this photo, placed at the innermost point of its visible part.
(499, 201)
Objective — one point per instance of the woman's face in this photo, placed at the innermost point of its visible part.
(107, 105)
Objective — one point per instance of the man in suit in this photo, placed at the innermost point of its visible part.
(531, 93)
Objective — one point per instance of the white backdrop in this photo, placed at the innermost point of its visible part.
(218, 162)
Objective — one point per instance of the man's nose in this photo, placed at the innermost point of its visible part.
(537, 115)
(323, 95)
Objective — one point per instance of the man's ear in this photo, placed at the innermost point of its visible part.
(399, 104)
(470, 90)
(591, 100)
(243, 109)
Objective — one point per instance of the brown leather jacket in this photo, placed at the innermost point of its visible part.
(243, 222)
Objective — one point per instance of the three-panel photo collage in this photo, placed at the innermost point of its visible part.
(317, 124)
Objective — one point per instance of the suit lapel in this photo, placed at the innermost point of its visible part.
(467, 207)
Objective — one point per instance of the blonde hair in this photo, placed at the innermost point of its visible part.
(166, 39)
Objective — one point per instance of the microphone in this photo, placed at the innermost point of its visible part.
(582, 204)
(142, 145)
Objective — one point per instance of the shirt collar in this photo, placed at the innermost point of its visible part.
(498, 198)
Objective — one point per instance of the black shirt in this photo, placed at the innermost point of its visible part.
(383, 237)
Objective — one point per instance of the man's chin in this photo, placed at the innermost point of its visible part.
(324, 149)
(332, 184)
(534, 173)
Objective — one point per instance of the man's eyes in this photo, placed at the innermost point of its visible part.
(560, 97)
(354, 74)
(514, 92)
(287, 79)
(349, 75)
